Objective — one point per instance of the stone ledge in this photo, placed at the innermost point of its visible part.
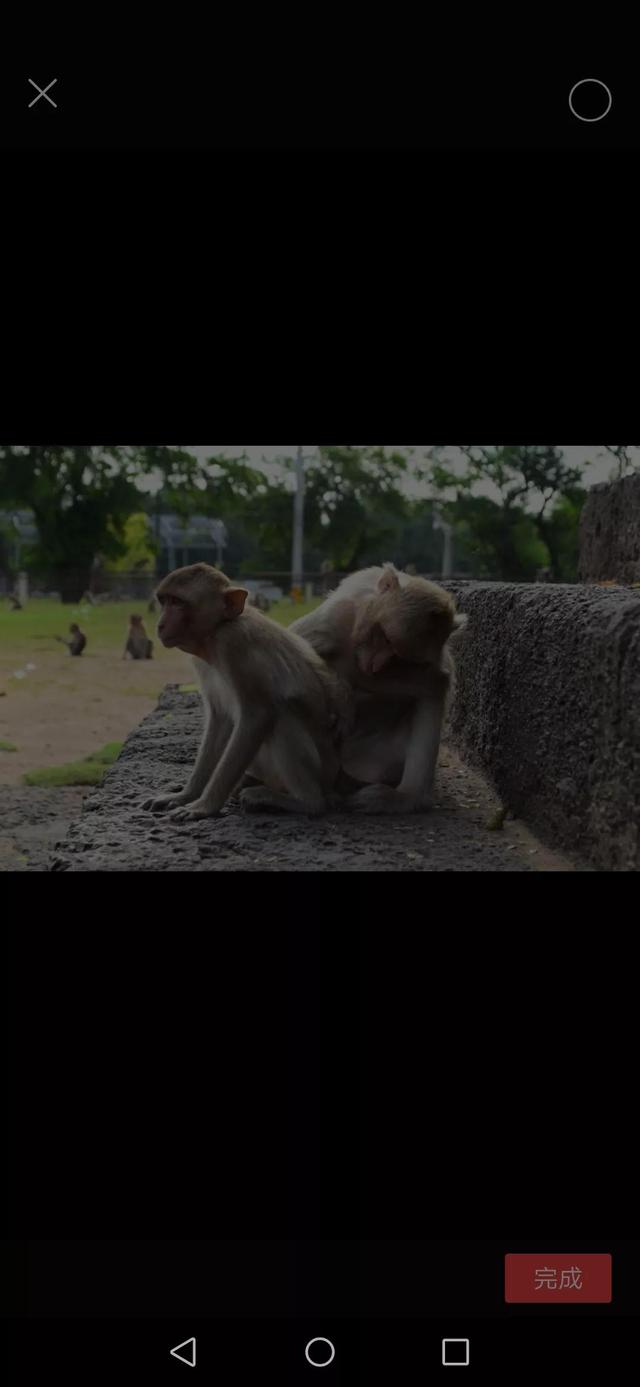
(548, 704)
(113, 833)
(610, 533)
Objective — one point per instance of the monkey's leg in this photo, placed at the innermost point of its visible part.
(422, 752)
(301, 767)
(415, 789)
(241, 749)
(216, 735)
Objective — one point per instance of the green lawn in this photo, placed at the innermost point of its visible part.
(42, 619)
(286, 612)
(87, 772)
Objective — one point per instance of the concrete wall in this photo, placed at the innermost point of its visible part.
(548, 704)
(610, 533)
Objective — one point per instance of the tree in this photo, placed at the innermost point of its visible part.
(140, 547)
(625, 464)
(501, 543)
(353, 503)
(81, 498)
(561, 529)
(354, 512)
(509, 534)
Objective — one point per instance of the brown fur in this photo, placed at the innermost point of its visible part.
(273, 708)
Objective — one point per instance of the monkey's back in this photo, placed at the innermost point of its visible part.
(281, 665)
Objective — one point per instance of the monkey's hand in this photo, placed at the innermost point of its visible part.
(198, 809)
(383, 799)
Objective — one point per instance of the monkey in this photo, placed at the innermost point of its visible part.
(16, 605)
(137, 646)
(274, 711)
(386, 634)
(78, 639)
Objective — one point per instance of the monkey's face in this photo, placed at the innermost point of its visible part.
(181, 625)
(373, 650)
(193, 607)
(396, 626)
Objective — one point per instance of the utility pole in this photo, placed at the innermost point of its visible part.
(447, 542)
(447, 552)
(297, 561)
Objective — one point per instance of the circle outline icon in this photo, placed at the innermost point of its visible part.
(590, 120)
(319, 1339)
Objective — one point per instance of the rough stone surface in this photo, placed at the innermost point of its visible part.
(33, 820)
(610, 533)
(113, 833)
(548, 703)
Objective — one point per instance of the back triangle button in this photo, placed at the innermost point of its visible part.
(185, 1352)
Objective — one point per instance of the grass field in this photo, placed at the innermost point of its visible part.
(42, 619)
(56, 711)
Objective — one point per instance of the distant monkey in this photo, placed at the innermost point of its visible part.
(138, 646)
(386, 634)
(78, 639)
(16, 605)
(273, 710)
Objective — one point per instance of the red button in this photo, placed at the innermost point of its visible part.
(557, 1278)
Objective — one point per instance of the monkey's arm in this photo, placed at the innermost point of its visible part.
(216, 736)
(242, 747)
(403, 681)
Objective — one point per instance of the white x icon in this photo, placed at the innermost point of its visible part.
(42, 91)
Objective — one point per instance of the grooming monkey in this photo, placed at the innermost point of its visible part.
(386, 633)
(138, 646)
(273, 709)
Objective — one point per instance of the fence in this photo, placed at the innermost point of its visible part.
(139, 587)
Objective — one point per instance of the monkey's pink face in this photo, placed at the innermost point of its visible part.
(374, 651)
(389, 637)
(174, 625)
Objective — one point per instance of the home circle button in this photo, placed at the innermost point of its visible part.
(590, 99)
(320, 1352)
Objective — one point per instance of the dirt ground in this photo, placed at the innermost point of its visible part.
(67, 708)
(61, 711)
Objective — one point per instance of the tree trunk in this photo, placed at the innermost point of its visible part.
(71, 583)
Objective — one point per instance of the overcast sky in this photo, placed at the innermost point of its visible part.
(600, 464)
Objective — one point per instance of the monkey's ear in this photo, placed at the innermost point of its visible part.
(234, 600)
(389, 581)
(460, 619)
